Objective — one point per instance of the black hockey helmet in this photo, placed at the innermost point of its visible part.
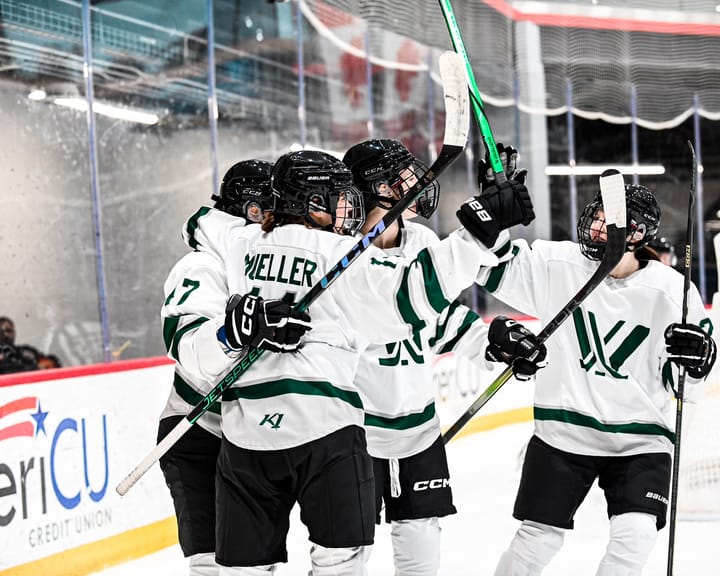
(663, 246)
(384, 161)
(314, 181)
(245, 190)
(643, 219)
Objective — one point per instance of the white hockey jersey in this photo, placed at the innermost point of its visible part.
(195, 291)
(395, 380)
(605, 391)
(285, 400)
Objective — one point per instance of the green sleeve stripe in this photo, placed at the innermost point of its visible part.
(405, 307)
(192, 225)
(497, 273)
(190, 395)
(180, 333)
(667, 376)
(433, 288)
(570, 417)
(169, 328)
(504, 249)
(401, 422)
(468, 321)
(291, 386)
(442, 326)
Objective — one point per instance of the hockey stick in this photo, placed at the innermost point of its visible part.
(680, 394)
(477, 103)
(457, 121)
(613, 194)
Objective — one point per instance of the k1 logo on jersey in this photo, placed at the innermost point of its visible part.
(606, 353)
(273, 420)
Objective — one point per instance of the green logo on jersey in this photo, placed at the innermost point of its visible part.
(272, 419)
(394, 350)
(594, 350)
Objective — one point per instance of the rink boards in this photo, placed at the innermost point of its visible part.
(68, 436)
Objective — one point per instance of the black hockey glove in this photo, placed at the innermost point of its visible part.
(268, 324)
(498, 208)
(512, 343)
(509, 158)
(690, 346)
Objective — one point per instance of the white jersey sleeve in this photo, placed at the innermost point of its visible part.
(195, 295)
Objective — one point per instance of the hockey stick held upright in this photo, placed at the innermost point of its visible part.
(476, 100)
(687, 265)
(612, 187)
(457, 121)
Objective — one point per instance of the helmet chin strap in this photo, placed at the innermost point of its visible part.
(310, 220)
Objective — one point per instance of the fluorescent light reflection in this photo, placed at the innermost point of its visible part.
(591, 170)
(296, 147)
(110, 111)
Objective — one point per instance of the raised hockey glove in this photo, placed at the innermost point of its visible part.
(515, 345)
(690, 346)
(268, 324)
(509, 158)
(498, 208)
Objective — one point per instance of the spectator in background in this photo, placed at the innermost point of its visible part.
(665, 251)
(7, 331)
(47, 361)
(13, 358)
(22, 358)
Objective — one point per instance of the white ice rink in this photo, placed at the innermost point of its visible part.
(485, 472)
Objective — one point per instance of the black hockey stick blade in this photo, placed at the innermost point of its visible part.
(612, 188)
(457, 123)
(680, 393)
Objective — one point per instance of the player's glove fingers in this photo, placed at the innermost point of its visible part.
(498, 208)
(285, 326)
(686, 344)
(690, 346)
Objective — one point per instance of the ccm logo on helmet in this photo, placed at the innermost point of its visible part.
(431, 484)
(482, 214)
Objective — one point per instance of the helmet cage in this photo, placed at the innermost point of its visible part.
(643, 218)
(375, 163)
(349, 211)
(426, 202)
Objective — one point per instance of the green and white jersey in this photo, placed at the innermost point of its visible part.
(395, 380)
(195, 291)
(285, 400)
(605, 391)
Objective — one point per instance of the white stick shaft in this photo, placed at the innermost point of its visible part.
(153, 456)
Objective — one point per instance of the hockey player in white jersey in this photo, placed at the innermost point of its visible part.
(603, 407)
(395, 379)
(196, 290)
(292, 425)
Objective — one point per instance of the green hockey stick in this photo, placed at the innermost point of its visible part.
(477, 103)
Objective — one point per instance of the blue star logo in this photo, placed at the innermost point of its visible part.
(39, 418)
